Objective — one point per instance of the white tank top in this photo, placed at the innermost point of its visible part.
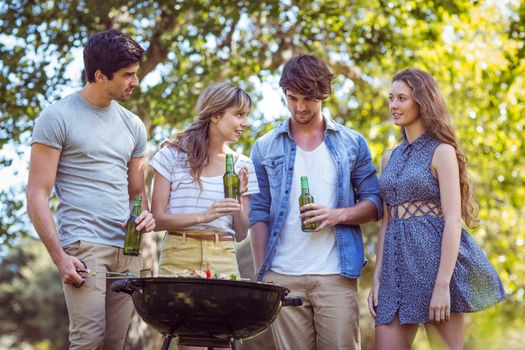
(298, 252)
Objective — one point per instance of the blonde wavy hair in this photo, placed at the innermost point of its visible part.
(436, 120)
(213, 102)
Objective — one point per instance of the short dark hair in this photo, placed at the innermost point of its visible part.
(110, 51)
(307, 75)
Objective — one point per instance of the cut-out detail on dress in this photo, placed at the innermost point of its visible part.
(410, 209)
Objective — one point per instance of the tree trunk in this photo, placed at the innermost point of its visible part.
(263, 341)
(140, 335)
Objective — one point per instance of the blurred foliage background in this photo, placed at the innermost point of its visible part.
(474, 49)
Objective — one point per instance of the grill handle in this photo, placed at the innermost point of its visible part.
(122, 286)
(292, 301)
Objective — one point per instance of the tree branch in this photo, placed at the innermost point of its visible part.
(157, 50)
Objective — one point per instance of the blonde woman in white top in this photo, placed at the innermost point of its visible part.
(188, 200)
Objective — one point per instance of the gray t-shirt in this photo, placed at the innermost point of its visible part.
(91, 183)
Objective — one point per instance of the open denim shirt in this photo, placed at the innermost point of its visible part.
(273, 156)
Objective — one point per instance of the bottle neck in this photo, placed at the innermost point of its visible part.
(304, 186)
(229, 164)
(137, 206)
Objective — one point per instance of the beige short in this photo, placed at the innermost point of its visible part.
(185, 252)
(328, 318)
(98, 317)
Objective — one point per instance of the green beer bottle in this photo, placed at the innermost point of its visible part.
(306, 198)
(230, 180)
(132, 238)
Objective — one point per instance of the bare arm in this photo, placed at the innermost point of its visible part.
(259, 240)
(380, 242)
(373, 296)
(136, 187)
(446, 167)
(174, 222)
(361, 213)
(240, 218)
(374, 289)
(43, 166)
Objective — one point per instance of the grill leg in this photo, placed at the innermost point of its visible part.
(166, 343)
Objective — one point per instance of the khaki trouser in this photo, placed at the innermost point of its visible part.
(98, 317)
(328, 318)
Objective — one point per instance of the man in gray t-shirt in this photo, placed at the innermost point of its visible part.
(91, 149)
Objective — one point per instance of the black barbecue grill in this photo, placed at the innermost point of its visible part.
(205, 312)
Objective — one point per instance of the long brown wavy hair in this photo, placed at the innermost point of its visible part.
(436, 121)
(213, 102)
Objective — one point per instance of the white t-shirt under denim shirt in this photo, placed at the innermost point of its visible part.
(96, 145)
(187, 198)
(298, 252)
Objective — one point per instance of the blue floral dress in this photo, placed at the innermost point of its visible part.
(412, 244)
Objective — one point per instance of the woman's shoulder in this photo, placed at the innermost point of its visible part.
(244, 160)
(168, 148)
(172, 154)
(444, 152)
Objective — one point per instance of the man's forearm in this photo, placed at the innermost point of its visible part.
(42, 219)
(134, 192)
(361, 213)
(259, 240)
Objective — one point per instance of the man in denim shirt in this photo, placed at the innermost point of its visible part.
(322, 267)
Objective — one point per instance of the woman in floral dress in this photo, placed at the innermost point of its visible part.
(428, 269)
